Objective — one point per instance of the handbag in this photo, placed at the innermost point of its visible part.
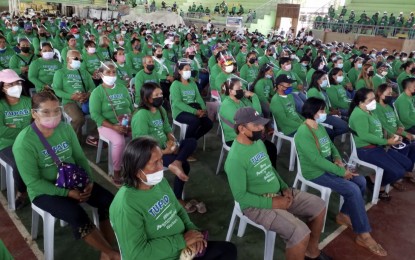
(85, 105)
(70, 176)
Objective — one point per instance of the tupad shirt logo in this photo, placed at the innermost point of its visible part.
(258, 158)
(57, 148)
(157, 208)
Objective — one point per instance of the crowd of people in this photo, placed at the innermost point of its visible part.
(376, 24)
(132, 78)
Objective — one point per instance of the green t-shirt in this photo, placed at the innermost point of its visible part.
(141, 78)
(18, 61)
(249, 73)
(294, 76)
(264, 89)
(5, 57)
(135, 61)
(92, 62)
(314, 92)
(228, 110)
(286, 117)
(182, 95)
(388, 118)
(100, 107)
(401, 78)
(41, 72)
(18, 115)
(377, 81)
(405, 108)
(314, 159)
(66, 82)
(250, 175)
(338, 97)
(149, 224)
(368, 128)
(36, 166)
(145, 122)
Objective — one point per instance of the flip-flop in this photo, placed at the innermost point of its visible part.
(374, 249)
(190, 208)
(200, 206)
(384, 196)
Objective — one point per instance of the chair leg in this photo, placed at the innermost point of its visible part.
(242, 227)
(11, 195)
(343, 138)
(279, 144)
(99, 150)
(204, 142)
(295, 185)
(292, 157)
(95, 216)
(3, 177)
(220, 160)
(376, 188)
(48, 235)
(231, 227)
(325, 195)
(110, 164)
(35, 224)
(269, 245)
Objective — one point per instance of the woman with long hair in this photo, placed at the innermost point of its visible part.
(364, 80)
(263, 86)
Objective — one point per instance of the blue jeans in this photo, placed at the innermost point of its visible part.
(187, 148)
(352, 191)
(394, 164)
(197, 127)
(339, 126)
(408, 151)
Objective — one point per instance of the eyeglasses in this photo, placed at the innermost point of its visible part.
(49, 112)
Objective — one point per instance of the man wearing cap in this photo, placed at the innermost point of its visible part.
(263, 195)
(380, 75)
(283, 106)
(144, 76)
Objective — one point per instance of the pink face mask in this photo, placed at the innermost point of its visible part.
(121, 58)
(50, 122)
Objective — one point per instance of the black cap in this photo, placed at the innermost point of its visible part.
(246, 115)
(381, 64)
(284, 78)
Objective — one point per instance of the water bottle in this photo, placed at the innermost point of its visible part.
(124, 121)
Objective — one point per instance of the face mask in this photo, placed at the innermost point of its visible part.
(239, 94)
(321, 67)
(388, 100)
(137, 47)
(340, 79)
(404, 59)
(213, 38)
(304, 64)
(123, 32)
(288, 67)
(413, 70)
(186, 74)
(159, 56)
(324, 83)
(75, 64)
(359, 65)
(384, 73)
(121, 43)
(150, 67)
(25, 49)
(149, 43)
(91, 50)
(205, 41)
(229, 69)
(321, 118)
(191, 57)
(177, 42)
(76, 36)
(252, 60)
(157, 102)
(15, 91)
(256, 135)
(15, 28)
(154, 178)
(50, 122)
(121, 58)
(373, 56)
(255, 45)
(109, 80)
(340, 65)
(48, 55)
(371, 106)
(371, 73)
(288, 91)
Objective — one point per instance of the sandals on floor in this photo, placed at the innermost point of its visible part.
(189, 207)
(374, 249)
(399, 186)
(200, 206)
(384, 196)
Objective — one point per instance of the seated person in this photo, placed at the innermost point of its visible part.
(38, 171)
(322, 164)
(404, 105)
(265, 198)
(144, 229)
(337, 92)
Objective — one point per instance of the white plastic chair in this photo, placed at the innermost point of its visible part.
(101, 141)
(243, 221)
(225, 147)
(281, 136)
(58, 55)
(68, 120)
(378, 171)
(32, 91)
(49, 228)
(7, 181)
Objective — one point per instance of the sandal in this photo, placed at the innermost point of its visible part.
(411, 178)
(384, 196)
(374, 249)
(118, 182)
(200, 206)
(191, 159)
(92, 141)
(399, 186)
(190, 208)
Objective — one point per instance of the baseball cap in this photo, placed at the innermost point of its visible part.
(9, 76)
(284, 78)
(247, 115)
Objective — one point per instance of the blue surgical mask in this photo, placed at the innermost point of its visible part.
(321, 118)
(289, 90)
(324, 83)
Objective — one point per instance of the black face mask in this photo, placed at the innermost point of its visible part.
(159, 56)
(252, 60)
(137, 47)
(371, 73)
(25, 49)
(256, 135)
(413, 71)
(157, 102)
(42, 34)
(150, 67)
(239, 94)
(177, 42)
(388, 100)
(191, 57)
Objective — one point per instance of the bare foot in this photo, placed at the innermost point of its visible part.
(177, 170)
(370, 244)
(343, 219)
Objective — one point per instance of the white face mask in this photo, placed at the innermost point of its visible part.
(340, 79)
(404, 59)
(186, 74)
(75, 64)
(48, 55)
(154, 178)
(91, 50)
(371, 106)
(229, 69)
(205, 41)
(324, 83)
(321, 67)
(288, 67)
(384, 73)
(340, 66)
(15, 91)
(109, 80)
(121, 43)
